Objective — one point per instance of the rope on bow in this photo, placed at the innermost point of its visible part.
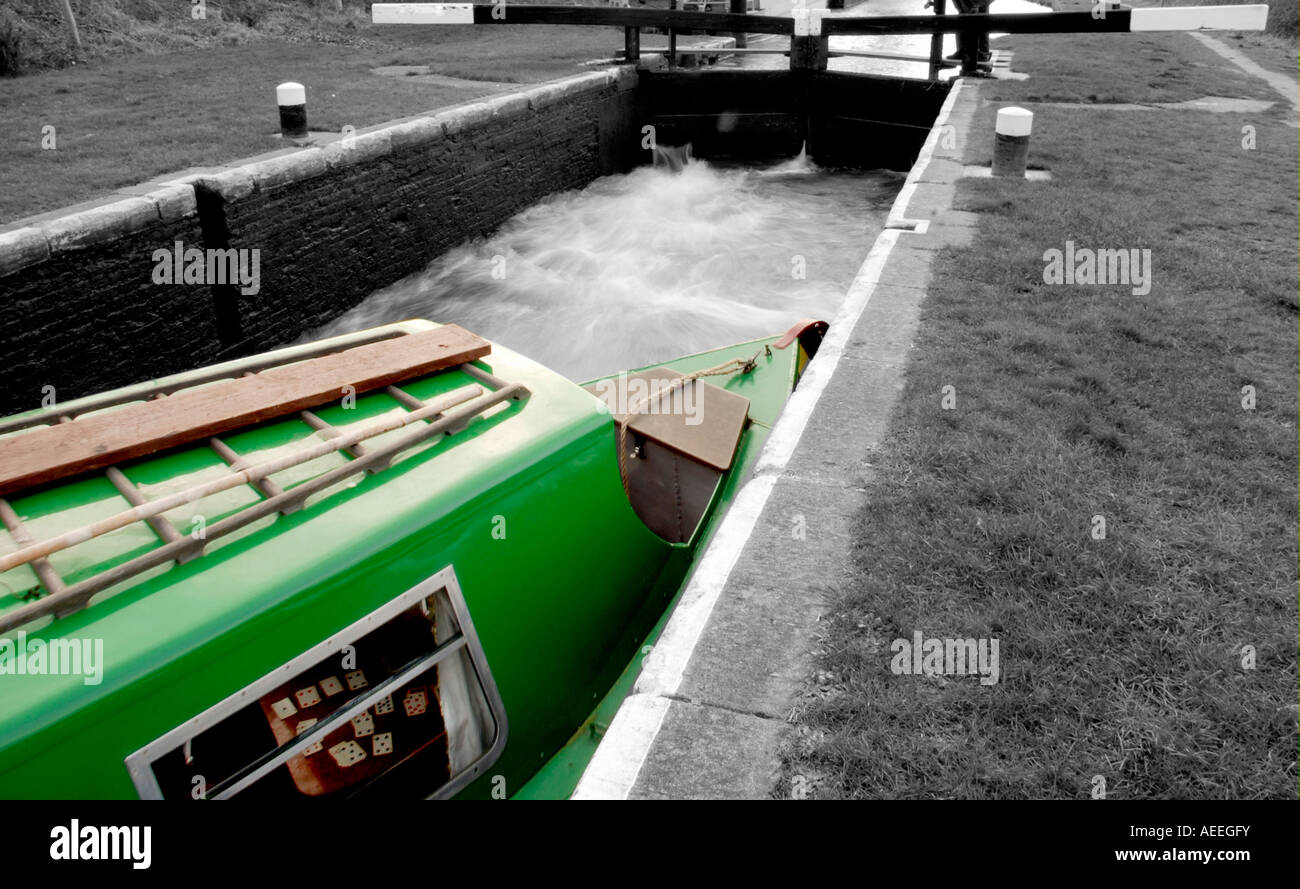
(727, 368)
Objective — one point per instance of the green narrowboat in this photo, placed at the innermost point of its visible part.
(402, 563)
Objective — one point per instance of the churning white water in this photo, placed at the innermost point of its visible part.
(669, 259)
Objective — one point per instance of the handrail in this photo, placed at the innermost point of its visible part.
(1003, 22)
(680, 20)
(1246, 17)
(810, 29)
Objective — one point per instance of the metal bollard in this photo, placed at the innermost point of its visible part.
(292, 99)
(1011, 142)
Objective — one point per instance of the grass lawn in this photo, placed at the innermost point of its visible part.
(1121, 657)
(1274, 49)
(1267, 51)
(123, 121)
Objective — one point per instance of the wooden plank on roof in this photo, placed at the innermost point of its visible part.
(100, 440)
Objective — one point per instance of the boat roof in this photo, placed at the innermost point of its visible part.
(202, 584)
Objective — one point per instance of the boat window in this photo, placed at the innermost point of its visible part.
(399, 705)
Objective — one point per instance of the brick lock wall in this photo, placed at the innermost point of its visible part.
(94, 319)
(81, 311)
(329, 241)
(333, 224)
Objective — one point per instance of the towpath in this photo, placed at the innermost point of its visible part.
(713, 713)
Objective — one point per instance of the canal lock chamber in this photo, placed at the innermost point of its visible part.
(339, 225)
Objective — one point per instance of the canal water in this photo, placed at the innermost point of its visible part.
(670, 259)
(663, 261)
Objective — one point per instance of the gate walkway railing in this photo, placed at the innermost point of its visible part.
(809, 29)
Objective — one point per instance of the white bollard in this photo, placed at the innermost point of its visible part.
(292, 99)
(1011, 142)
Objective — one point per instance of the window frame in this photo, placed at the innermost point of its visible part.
(139, 765)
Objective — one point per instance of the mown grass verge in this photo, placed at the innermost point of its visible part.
(1125, 660)
(122, 118)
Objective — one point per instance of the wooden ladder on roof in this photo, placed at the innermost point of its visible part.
(67, 445)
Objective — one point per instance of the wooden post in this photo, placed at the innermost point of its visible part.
(672, 40)
(738, 6)
(631, 44)
(72, 23)
(809, 53)
(936, 42)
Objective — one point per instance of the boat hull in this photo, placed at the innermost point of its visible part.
(564, 583)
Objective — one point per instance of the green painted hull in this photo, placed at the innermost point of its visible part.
(564, 583)
(559, 777)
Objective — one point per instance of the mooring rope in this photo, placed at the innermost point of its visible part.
(741, 365)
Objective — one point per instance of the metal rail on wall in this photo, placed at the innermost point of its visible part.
(809, 30)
